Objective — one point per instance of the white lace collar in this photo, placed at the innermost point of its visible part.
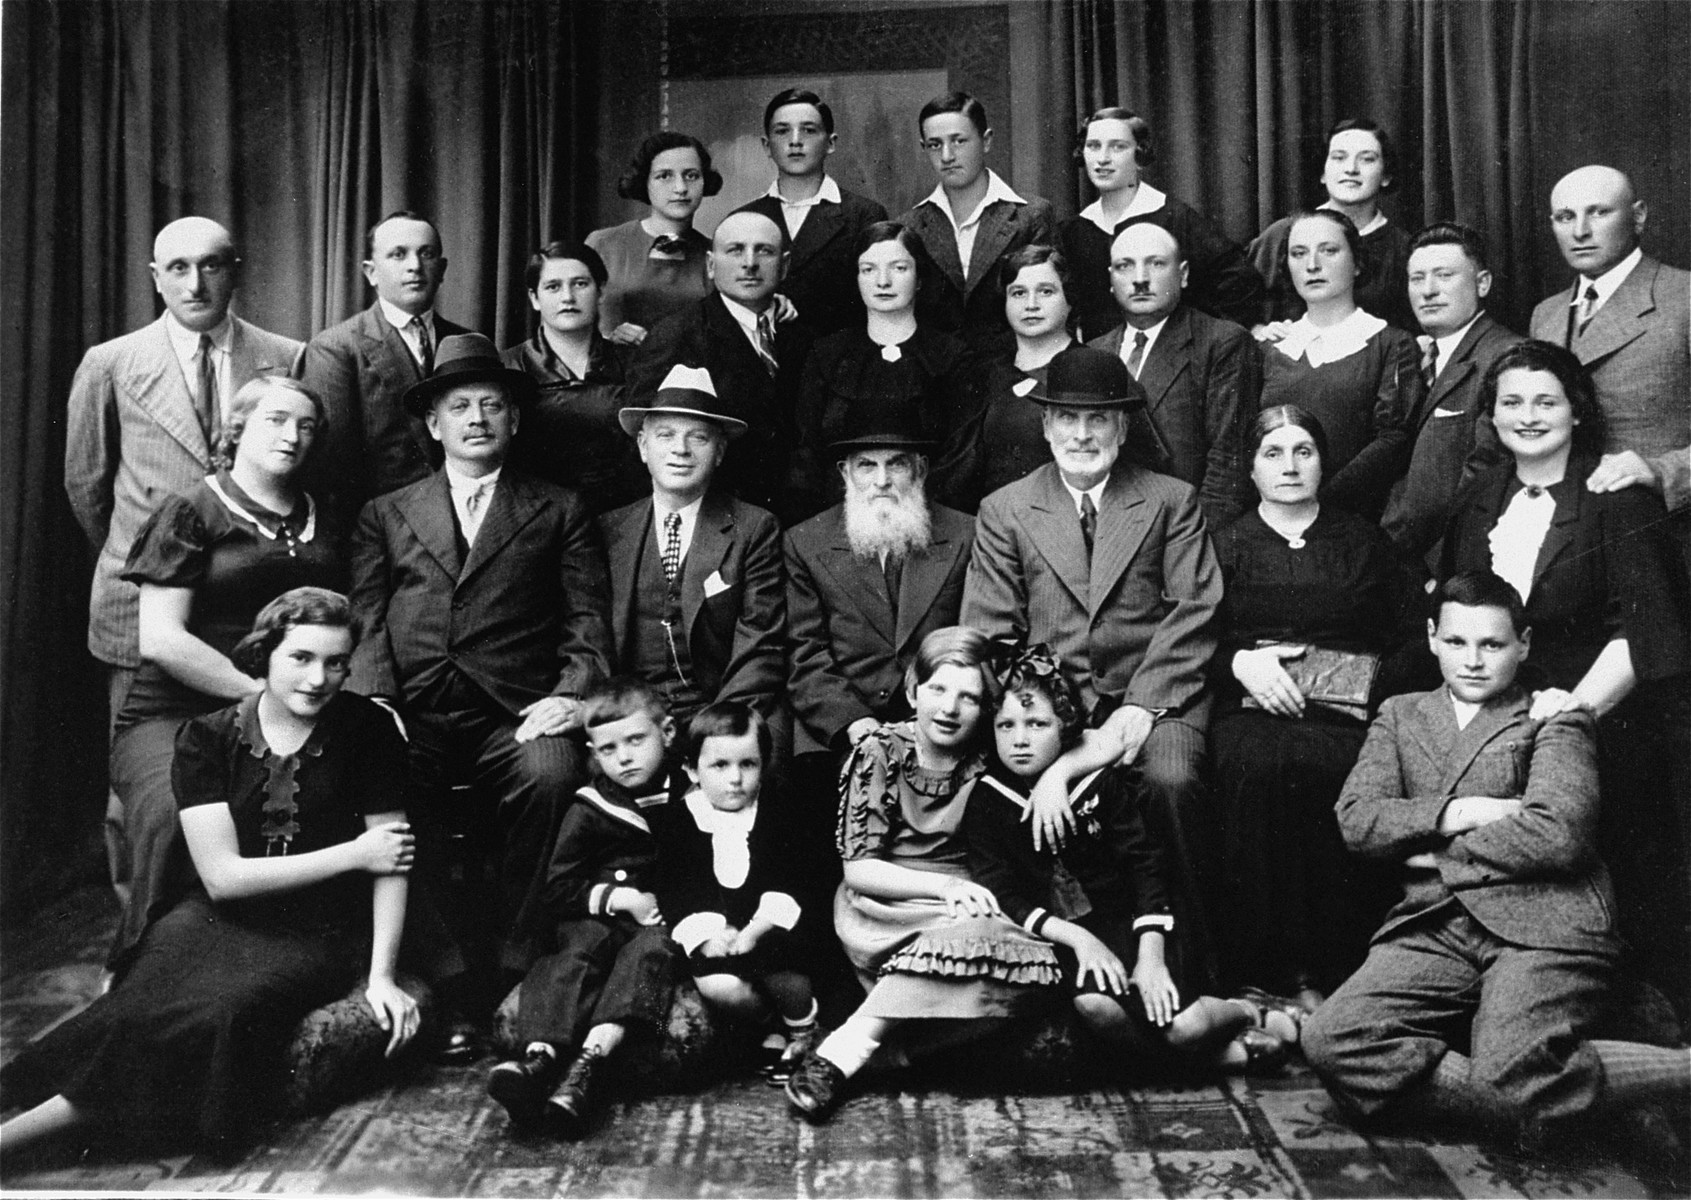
(1323, 346)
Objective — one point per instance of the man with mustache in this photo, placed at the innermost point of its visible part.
(1200, 374)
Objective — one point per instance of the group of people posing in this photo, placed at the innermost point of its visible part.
(893, 625)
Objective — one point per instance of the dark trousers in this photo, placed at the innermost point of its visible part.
(1443, 983)
(1181, 820)
(607, 970)
(525, 785)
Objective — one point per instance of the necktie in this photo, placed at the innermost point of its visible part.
(1430, 363)
(672, 546)
(1136, 359)
(1587, 308)
(425, 345)
(766, 342)
(474, 510)
(210, 411)
(1088, 521)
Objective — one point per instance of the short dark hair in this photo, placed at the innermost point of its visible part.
(798, 96)
(1592, 429)
(954, 102)
(1453, 233)
(1037, 254)
(246, 399)
(555, 251)
(892, 231)
(1353, 239)
(1278, 417)
(727, 718)
(398, 214)
(620, 697)
(1388, 151)
(1144, 141)
(1481, 589)
(295, 607)
(631, 184)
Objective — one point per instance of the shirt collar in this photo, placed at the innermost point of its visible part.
(714, 821)
(462, 484)
(1466, 711)
(1448, 343)
(1609, 281)
(741, 313)
(1146, 200)
(689, 512)
(400, 319)
(1322, 346)
(1097, 493)
(186, 342)
(828, 193)
(996, 190)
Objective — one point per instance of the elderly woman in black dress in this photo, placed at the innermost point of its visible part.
(1307, 585)
(292, 802)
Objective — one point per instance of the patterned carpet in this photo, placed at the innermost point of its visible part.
(436, 1133)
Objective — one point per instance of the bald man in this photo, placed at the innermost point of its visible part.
(753, 359)
(1200, 373)
(144, 414)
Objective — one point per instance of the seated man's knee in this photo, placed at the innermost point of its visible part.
(1170, 765)
(730, 993)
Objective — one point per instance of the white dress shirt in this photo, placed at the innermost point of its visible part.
(795, 211)
(463, 487)
(748, 322)
(401, 320)
(966, 229)
(1097, 494)
(689, 522)
(1447, 346)
(1129, 332)
(1465, 712)
(1607, 282)
(186, 345)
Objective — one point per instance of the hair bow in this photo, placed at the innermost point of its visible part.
(1010, 658)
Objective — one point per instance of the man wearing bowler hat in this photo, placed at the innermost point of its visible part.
(1109, 564)
(697, 604)
(482, 599)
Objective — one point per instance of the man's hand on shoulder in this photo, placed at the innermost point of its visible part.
(1623, 470)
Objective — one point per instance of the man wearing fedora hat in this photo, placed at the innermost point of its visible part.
(697, 608)
(1109, 564)
(482, 600)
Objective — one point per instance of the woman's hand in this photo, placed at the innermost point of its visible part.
(396, 1012)
(966, 898)
(628, 334)
(1271, 332)
(1266, 680)
(785, 310)
(1156, 989)
(1049, 813)
(1096, 959)
(387, 849)
(1552, 702)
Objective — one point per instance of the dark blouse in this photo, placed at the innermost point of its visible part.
(1608, 568)
(236, 556)
(1364, 402)
(353, 764)
(645, 287)
(1222, 281)
(1342, 590)
(1382, 289)
(571, 436)
(1003, 439)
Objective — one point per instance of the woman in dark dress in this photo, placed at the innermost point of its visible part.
(291, 800)
(1293, 910)
(1360, 167)
(206, 562)
(570, 435)
(1357, 375)
(656, 264)
(890, 362)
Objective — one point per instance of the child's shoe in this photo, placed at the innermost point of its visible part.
(571, 1106)
(522, 1084)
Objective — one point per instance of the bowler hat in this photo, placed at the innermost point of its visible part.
(1081, 377)
(685, 391)
(467, 358)
(890, 426)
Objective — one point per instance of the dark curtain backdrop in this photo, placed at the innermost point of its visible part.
(299, 123)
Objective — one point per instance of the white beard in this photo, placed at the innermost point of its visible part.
(875, 527)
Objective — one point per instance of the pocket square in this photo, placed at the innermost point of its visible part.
(715, 585)
(1447, 412)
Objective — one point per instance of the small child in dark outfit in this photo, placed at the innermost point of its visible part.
(614, 968)
(727, 883)
(1100, 897)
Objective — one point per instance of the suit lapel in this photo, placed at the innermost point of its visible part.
(1460, 366)
(919, 585)
(1563, 526)
(161, 390)
(1123, 520)
(246, 362)
(386, 352)
(998, 224)
(1055, 525)
(512, 507)
(713, 538)
(821, 227)
(940, 237)
(625, 537)
(1167, 359)
(728, 334)
(1490, 721)
(428, 511)
(1621, 319)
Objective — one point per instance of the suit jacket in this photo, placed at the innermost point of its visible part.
(734, 633)
(1638, 350)
(1534, 878)
(1137, 624)
(1202, 379)
(821, 277)
(604, 842)
(1453, 442)
(361, 368)
(133, 437)
(523, 616)
(705, 334)
(846, 652)
(970, 305)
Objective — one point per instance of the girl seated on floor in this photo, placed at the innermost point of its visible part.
(930, 944)
(1100, 897)
(725, 881)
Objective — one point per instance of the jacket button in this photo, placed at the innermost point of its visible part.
(620, 876)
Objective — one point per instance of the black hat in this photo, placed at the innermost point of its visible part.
(689, 392)
(467, 358)
(892, 425)
(1081, 377)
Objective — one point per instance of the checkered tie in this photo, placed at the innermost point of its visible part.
(671, 546)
